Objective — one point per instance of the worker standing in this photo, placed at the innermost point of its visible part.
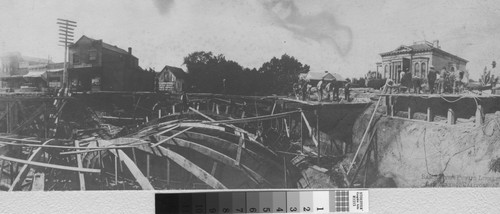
(336, 89)
(347, 87)
(319, 88)
(431, 79)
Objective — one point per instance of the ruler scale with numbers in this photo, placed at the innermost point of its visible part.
(287, 201)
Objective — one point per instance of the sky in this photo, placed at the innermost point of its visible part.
(339, 36)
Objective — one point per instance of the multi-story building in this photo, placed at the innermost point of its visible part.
(417, 58)
(18, 71)
(96, 65)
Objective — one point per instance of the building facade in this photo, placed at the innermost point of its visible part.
(29, 73)
(96, 65)
(417, 59)
(171, 79)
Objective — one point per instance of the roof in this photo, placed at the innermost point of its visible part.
(324, 75)
(107, 46)
(177, 72)
(419, 47)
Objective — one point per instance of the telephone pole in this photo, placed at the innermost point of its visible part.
(66, 28)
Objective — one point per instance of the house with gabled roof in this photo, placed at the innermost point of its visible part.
(171, 79)
(96, 65)
(417, 59)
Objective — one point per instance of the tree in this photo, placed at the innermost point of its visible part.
(279, 75)
(212, 74)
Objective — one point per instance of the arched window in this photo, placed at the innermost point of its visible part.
(416, 68)
(423, 70)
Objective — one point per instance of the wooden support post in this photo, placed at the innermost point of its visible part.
(81, 177)
(240, 146)
(286, 128)
(451, 116)
(409, 112)
(284, 171)
(148, 157)
(116, 170)
(391, 106)
(214, 168)
(479, 116)
(213, 107)
(45, 121)
(227, 109)
(168, 172)
(133, 156)
(217, 109)
(301, 134)
(1, 170)
(430, 117)
(159, 113)
(317, 135)
(198, 106)
(173, 109)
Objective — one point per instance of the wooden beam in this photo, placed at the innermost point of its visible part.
(309, 128)
(134, 170)
(192, 168)
(479, 116)
(81, 177)
(451, 117)
(409, 112)
(170, 137)
(148, 162)
(430, 117)
(212, 141)
(238, 153)
(54, 166)
(38, 182)
(25, 169)
(217, 156)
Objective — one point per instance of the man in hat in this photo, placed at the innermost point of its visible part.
(431, 79)
(442, 78)
(494, 76)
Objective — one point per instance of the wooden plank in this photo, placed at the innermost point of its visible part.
(134, 170)
(38, 182)
(218, 156)
(309, 128)
(81, 177)
(429, 114)
(240, 146)
(170, 137)
(212, 141)
(479, 116)
(16, 184)
(192, 168)
(451, 117)
(54, 166)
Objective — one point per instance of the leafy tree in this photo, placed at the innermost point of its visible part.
(279, 75)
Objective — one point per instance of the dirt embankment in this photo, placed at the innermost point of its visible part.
(419, 154)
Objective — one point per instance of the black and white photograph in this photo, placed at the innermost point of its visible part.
(265, 94)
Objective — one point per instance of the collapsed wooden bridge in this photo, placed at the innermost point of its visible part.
(60, 143)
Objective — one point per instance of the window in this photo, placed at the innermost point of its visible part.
(92, 55)
(416, 69)
(424, 68)
(76, 59)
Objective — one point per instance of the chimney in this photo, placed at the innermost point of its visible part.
(436, 44)
(130, 50)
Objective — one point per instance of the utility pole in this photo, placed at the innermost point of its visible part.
(66, 28)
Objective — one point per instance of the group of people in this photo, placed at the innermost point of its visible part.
(434, 82)
(326, 90)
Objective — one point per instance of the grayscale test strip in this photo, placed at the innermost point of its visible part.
(306, 201)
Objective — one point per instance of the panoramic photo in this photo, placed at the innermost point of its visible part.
(265, 94)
